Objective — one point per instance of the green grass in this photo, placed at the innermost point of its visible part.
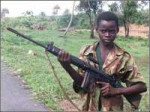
(38, 75)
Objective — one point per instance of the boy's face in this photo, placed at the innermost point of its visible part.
(107, 31)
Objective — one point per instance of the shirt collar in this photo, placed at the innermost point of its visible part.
(92, 49)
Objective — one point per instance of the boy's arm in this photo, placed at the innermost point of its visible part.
(73, 74)
(64, 59)
(134, 89)
(108, 90)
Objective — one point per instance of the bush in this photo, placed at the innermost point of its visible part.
(141, 17)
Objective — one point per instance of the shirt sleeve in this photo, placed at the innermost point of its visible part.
(77, 88)
(131, 73)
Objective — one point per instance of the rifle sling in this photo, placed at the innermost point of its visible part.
(99, 58)
(100, 64)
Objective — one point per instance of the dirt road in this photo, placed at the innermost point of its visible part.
(14, 97)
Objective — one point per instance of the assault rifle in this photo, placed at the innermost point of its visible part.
(91, 73)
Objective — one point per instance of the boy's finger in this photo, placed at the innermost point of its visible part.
(104, 87)
(101, 83)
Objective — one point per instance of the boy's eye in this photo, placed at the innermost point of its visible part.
(111, 31)
(103, 31)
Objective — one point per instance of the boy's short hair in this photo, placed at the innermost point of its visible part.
(107, 16)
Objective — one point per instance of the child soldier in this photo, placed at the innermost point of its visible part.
(112, 60)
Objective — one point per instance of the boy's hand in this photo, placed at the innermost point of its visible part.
(63, 57)
(107, 90)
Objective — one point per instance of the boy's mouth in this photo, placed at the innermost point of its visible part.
(107, 40)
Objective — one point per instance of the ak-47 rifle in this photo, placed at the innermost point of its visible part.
(91, 73)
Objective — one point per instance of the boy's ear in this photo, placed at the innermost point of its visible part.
(96, 28)
(118, 29)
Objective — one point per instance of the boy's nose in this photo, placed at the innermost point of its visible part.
(107, 34)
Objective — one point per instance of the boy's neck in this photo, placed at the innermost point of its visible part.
(107, 46)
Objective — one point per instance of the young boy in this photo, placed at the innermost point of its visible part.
(112, 60)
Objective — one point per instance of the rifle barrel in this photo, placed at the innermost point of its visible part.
(24, 36)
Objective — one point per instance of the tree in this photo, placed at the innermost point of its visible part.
(4, 12)
(28, 13)
(55, 12)
(113, 7)
(91, 7)
(142, 4)
(64, 20)
(129, 9)
(66, 12)
(70, 19)
(56, 9)
(42, 14)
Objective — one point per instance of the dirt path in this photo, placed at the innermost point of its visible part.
(136, 31)
(14, 97)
